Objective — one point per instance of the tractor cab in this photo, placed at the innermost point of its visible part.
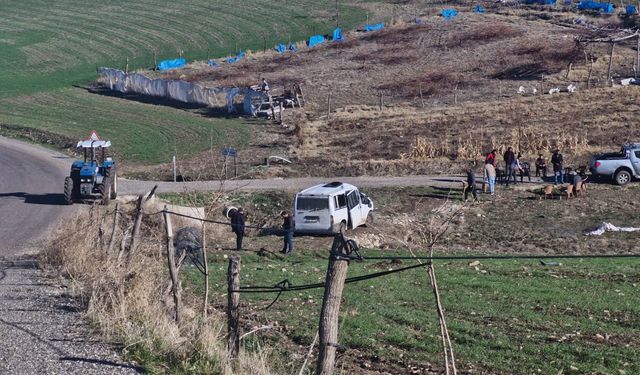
(94, 177)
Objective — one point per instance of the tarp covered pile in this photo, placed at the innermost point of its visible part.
(374, 27)
(172, 64)
(315, 40)
(593, 5)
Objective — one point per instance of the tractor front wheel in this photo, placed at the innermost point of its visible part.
(105, 191)
(68, 190)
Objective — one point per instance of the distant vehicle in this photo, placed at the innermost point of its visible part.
(93, 178)
(268, 110)
(621, 166)
(331, 208)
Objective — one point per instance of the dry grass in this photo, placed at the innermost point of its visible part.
(127, 301)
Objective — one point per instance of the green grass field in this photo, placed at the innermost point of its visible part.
(516, 317)
(48, 47)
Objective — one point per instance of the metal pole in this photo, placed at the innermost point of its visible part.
(175, 176)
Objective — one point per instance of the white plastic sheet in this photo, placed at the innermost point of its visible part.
(608, 227)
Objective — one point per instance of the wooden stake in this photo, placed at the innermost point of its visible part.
(113, 230)
(380, 101)
(421, 97)
(589, 75)
(542, 84)
(455, 95)
(135, 233)
(172, 263)
(126, 67)
(233, 303)
(334, 284)
(329, 105)
(637, 57)
(610, 64)
(155, 60)
(205, 301)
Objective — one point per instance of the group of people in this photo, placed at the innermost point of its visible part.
(513, 166)
(238, 227)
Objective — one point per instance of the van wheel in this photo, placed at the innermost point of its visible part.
(369, 221)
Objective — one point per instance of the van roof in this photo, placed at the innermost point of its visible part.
(331, 188)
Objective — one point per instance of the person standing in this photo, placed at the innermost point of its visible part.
(237, 226)
(490, 172)
(287, 226)
(489, 159)
(471, 185)
(510, 164)
(557, 161)
(265, 86)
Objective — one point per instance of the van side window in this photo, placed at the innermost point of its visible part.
(341, 201)
(637, 154)
(352, 199)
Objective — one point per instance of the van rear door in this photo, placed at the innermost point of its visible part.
(312, 213)
(355, 213)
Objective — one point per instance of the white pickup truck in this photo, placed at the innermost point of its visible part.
(621, 166)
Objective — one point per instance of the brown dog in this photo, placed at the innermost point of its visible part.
(569, 191)
(548, 192)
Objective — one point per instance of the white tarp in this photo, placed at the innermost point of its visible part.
(608, 227)
(178, 90)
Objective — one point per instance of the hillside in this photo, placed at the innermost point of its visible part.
(449, 91)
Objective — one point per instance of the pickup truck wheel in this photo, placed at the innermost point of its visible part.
(622, 177)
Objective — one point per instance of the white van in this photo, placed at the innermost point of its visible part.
(324, 209)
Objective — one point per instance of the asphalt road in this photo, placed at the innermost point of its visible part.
(31, 199)
(41, 327)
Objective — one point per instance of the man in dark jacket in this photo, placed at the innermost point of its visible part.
(471, 185)
(237, 226)
(287, 226)
(510, 164)
(557, 161)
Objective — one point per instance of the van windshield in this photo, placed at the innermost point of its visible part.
(312, 204)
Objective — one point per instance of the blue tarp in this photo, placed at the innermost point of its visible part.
(236, 58)
(592, 5)
(315, 40)
(631, 9)
(293, 48)
(374, 27)
(448, 14)
(281, 48)
(337, 35)
(479, 9)
(418, 21)
(172, 64)
(213, 64)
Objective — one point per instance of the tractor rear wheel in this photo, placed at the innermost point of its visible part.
(114, 186)
(68, 190)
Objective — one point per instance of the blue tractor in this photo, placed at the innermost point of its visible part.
(94, 178)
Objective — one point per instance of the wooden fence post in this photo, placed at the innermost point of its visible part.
(637, 57)
(113, 231)
(334, 284)
(205, 265)
(329, 105)
(135, 233)
(233, 303)
(172, 263)
(610, 63)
